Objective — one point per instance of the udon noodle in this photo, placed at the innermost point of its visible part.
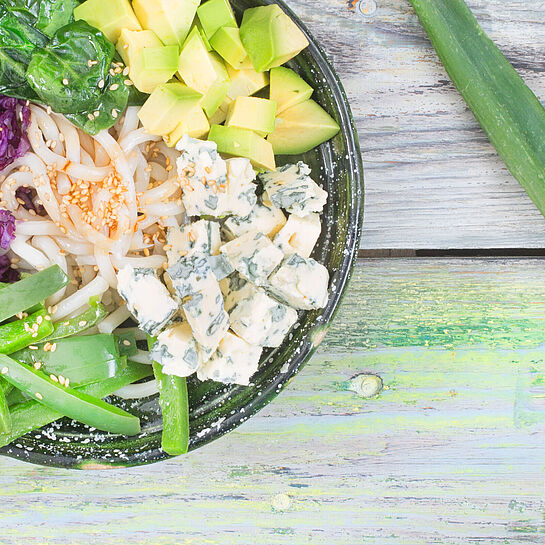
(108, 201)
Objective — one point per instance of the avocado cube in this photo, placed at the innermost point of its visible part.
(215, 14)
(168, 105)
(195, 125)
(152, 66)
(243, 143)
(197, 24)
(270, 37)
(109, 16)
(226, 41)
(203, 71)
(130, 42)
(245, 82)
(221, 113)
(301, 128)
(255, 114)
(288, 88)
(169, 19)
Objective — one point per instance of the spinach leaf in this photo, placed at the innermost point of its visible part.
(60, 73)
(110, 101)
(54, 14)
(18, 41)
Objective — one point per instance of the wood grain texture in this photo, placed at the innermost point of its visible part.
(432, 178)
(450, 452)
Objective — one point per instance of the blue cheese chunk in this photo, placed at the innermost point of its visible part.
(301, 283)
(253, 255)
(220, 266)
(290, 187)
(234, 289)
(264, 217)
(176, 350)
(234, 362)
(201, 236)
(212, 186)
(147, 298)
(260, 320)
(299, 235)
(191, 274)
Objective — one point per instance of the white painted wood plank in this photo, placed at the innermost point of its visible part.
(432, 178)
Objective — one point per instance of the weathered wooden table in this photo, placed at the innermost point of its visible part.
(452, 450)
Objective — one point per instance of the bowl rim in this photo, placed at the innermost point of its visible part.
(345, 269)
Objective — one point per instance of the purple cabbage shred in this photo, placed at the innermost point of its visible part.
(14, 121)
(7, 228)
(7, 274)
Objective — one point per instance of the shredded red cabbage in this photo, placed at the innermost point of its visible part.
(7, 228)
(14, 121)
(28, 195)
(7, 274)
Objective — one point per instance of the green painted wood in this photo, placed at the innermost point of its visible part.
(450, 452)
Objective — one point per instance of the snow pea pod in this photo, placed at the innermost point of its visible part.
(30, 291)
(16, 335)
(5, 416)
(69, 402)
(31, 415)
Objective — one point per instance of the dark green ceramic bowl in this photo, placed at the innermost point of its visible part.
(217, 409)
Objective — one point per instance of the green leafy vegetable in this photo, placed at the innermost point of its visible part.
(5, 416)
(127, 344)
(31, 415)
(60, 73)
(54, 14)
(67, 401)
(509, 112)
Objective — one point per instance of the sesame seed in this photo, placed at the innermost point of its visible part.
(33, 347)
(91, 117)
(126, 71)
(127, 342)
(47, 317)
(5, 370)
(96, 114)
(114, 113)
(83, 323)
(66, 382)
(61, 379)
(53, 347)
(39, 396)
(114, 87)
(101, 84)
(65, 81)
(128, 82)
(37, 365)
(53, 378)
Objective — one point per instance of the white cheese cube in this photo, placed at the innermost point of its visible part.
(253, 255)
(176, 350)
(265, 218)
(260, 320)
(291, 188)
(201, 236)
(234, 362)
(147, 298)
(212, 186)
(301, 283)
(234, 289)
(299, 235)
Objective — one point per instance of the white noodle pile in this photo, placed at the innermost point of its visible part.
(108, 198)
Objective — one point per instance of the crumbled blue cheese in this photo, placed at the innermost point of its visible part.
(147, 298)
(260, 320)
(234, 289)
(301, 283)
(253, 255)
(234, 362)
(176, 350)
(264, 217)
(191, 274)
(220, 266)
(299, 235)
(212, 186)
(201, 236)
(290, 187)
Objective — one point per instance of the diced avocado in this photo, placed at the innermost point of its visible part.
(203, 71)
(288, 88)
(167, 106)
(221, 113)
(109, 16)
(301, 128)
(245, 82)
(226, 41)
(255, 114)
(152, 66)
(243, 143)
(169, 19)
(215, 14)
(195, 125)
(132, 41)
(197, 24)
(270, 37)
